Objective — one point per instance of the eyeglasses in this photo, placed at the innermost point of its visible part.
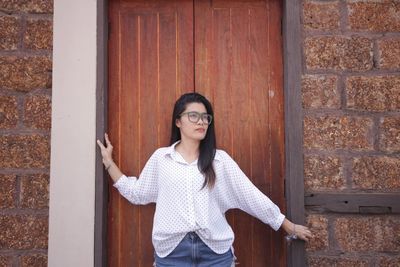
(194, 117)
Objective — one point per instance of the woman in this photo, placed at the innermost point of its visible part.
(193, 184)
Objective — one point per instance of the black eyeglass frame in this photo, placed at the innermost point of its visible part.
(203, 116)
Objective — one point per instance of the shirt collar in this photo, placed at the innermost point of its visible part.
(176, 156)
(171, 149)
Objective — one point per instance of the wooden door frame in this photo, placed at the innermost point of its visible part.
(294, 175)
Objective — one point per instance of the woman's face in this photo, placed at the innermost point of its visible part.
(190, 129)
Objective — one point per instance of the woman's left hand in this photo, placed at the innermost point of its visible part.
(302, 232)
(297, 230)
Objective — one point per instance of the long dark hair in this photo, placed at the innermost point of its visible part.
(207, 145)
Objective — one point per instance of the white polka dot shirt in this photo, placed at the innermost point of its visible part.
(181, 207)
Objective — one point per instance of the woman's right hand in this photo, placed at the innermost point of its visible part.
(106, 152)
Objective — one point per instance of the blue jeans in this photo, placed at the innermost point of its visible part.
(193, 252)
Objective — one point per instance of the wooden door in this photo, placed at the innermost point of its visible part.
(229, 51)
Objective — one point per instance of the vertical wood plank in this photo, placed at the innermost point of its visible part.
(101, 175)
(221, 86)
(261, 124)
(277, 114)
(203, 34)
(241, 94)
(293, 120)
(185, 47)
(167, 85)
(128, 133)
(148, 120)
(113, 124)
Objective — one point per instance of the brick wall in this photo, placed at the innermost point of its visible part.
(351, 101)
(25, 110)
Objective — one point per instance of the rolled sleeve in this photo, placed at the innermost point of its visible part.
(142, 190)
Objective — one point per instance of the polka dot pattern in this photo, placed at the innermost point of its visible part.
(182, 206)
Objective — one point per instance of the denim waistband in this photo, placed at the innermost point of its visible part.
(192, 251)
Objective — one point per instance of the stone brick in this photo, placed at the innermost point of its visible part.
(333, 132)
(9, 32)
(368, 233)
(376, 173)
(377, 93)
(324, 261)
(25, 73)
(389, 137)
(320, 91)
(7, 190)
(385, 261)
(5, 261)
(24, 151)
(321, 15)
(338, 53)
(318, 225)
(23, 232)
(39, 34)
(389, 53)
(36, 260)
(38, 112)
(8, 112)
(377, 16)
(35, 191)
(29, 6)
(323, 173)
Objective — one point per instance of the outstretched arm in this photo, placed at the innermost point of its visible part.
(106, 153)
(250, 199)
